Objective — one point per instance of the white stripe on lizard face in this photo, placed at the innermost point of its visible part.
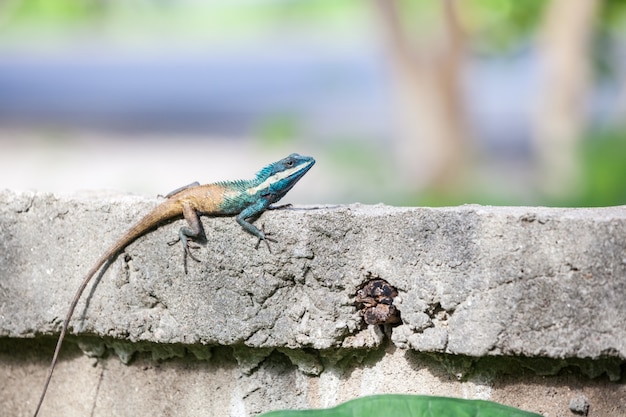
(275, 178)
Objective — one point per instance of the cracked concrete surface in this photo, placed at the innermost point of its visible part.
(510, 284)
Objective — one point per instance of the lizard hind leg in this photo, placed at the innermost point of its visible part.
(194, 232)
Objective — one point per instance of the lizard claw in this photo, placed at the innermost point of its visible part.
(190, 254)
(187, 253)
(264, 237)
(186, 250)
(280, 207)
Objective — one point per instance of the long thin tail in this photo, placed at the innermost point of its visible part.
(66, 323)
(163, 212)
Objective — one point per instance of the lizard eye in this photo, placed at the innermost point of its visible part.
(289, 163)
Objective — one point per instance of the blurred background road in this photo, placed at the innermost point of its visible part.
(402, 102)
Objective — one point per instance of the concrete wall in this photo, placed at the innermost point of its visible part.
(521, 305)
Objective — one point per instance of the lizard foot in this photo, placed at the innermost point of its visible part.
(188, 253)
(187, 246)
(264, 237)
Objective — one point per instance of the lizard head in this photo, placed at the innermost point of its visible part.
(278, 178)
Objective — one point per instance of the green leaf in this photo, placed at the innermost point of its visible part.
(393, 405)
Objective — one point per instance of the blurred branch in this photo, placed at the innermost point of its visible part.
(426, 66)
(561, 116)
(8, 9)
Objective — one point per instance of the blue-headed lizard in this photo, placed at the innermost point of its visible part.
(246, 199)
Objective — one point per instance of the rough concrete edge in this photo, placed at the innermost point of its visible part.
(312, 363)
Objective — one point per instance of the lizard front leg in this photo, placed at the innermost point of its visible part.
(252, 212)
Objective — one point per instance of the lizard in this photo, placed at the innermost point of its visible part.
(245, 199)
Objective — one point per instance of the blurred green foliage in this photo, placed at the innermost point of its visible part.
(494, 25)
(278, 130)
(602, 181)
(363, 162)
(177, 18)
(613, 14)
(603, 158)
(498, 25)
(59, 12)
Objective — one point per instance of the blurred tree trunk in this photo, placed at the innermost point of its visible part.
(561, 114)
(426, 68)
